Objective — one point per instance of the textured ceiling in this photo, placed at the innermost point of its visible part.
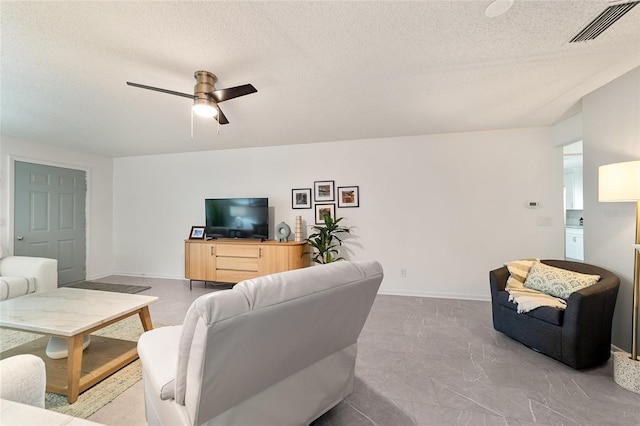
(325, 71)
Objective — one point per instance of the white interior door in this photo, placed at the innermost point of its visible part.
(49, 217)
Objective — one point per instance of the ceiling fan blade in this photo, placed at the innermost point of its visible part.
(222, 95)
(157, 89)
(222, 119)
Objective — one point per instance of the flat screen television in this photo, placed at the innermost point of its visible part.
(237, 218)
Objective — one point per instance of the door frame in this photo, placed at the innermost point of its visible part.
(11, 201)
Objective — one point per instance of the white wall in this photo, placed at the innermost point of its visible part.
(448, 208)
(99, 196)
(611, 130)
(567, 131)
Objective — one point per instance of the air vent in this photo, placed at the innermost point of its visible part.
(603, 21)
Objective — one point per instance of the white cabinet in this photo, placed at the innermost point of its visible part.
(573, 189)
(574, 245)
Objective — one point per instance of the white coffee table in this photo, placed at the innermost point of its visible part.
(70, 314)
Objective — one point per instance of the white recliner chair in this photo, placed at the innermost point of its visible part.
(275, 350)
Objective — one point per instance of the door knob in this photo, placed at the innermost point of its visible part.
(20, 238)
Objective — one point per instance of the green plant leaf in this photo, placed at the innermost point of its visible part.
(325, 240)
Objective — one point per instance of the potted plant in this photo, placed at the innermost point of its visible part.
(325, 240)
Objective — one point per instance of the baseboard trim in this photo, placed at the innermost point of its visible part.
(386, 292)
(614, 348)
(455, 296)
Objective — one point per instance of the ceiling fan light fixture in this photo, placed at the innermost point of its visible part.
(206, 98)
(205, 108)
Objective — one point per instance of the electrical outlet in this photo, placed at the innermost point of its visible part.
(403, 273)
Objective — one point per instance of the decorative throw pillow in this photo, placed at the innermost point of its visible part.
(518, 271)
(556, 281)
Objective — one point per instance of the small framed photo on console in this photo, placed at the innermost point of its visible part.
(197, 233)
(323, 209)
(301, 198)
(348, 196)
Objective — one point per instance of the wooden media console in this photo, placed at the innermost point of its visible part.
(231, 260)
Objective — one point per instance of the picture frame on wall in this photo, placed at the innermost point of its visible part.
(348, 196)
(197, 233)
(301, 198)
(321, 209)
(323, 190)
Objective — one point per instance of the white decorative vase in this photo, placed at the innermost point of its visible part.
(626, 371)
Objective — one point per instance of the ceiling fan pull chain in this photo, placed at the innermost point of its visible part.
(218, 118)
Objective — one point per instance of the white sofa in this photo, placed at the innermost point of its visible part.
(274, 350)
(20, 275)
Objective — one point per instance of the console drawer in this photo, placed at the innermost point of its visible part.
(237, 263)
(227, 276)
(234, 250)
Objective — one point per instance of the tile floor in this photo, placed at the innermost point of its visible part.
(428, 361)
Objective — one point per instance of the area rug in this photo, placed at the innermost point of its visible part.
(116, 288)
(104, 392)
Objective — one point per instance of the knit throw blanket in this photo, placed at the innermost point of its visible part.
(526, 298)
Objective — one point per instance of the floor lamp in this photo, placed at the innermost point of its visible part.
(620, 182)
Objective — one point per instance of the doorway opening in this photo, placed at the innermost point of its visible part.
(573, 201)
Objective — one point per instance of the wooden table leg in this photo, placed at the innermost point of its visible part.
(74, 367)
(145, 317)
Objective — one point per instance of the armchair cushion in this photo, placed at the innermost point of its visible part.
(164, 352)
(16, 286)
(557, 282)
(552, 315)
(41, 270)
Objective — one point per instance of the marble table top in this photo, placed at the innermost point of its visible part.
(67, 311)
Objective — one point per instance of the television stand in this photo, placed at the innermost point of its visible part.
(229, 260)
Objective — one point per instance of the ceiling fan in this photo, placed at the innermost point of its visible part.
(205, 96)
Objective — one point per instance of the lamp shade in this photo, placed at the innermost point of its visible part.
(619, 182)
